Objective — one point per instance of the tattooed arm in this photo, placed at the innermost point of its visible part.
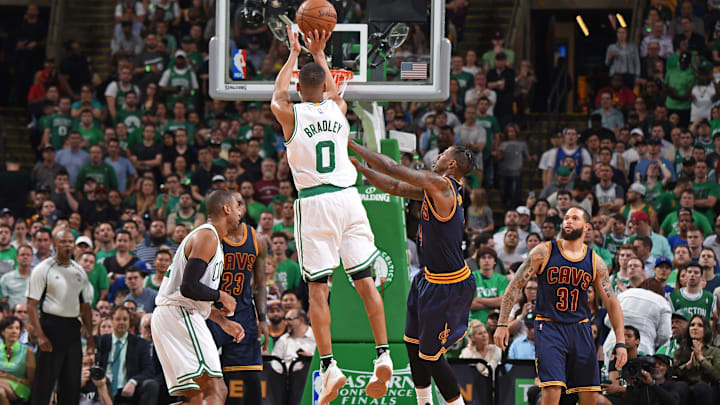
(604, 289)
(524, 273)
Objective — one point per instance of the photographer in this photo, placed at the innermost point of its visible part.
(615, 391)
(93, 384)
(653, 387)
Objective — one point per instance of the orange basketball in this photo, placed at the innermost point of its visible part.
(316, 15)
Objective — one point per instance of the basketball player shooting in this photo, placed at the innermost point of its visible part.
(330, 220)
(565, 352)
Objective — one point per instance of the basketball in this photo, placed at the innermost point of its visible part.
(316, 15)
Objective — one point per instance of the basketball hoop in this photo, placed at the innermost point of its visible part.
(341, 77)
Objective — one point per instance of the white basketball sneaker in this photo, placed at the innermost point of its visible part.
(378, 384)
(332, 380)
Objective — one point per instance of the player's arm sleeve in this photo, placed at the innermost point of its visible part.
(191, 286)
(36, 283)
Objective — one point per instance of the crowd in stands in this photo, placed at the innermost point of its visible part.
(126, 161)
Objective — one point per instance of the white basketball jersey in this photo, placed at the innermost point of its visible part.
(317, 149)
(169, 293)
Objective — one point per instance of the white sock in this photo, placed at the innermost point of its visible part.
(458, 401)
(424, 396)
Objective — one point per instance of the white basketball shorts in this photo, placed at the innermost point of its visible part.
(329, 227)
(184, 346)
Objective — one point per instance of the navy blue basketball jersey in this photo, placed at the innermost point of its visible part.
(563, 284)
(440, 238)
(237, 274)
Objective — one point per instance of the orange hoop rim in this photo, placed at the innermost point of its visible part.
(340, 76)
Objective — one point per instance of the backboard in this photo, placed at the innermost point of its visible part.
(396, 49)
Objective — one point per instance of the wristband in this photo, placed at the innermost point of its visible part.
(620, 345)
(147, 68)
(261, 317)
(501, 325)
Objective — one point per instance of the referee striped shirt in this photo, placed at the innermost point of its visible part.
(65, 287)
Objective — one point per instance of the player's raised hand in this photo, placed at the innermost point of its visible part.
(316, 41)
(355, 162)
(501, 337)
(293, 40)
(228, 303)
(233, 329)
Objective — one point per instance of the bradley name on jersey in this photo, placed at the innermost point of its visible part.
(322, 126)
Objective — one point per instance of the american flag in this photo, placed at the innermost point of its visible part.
(413, 70)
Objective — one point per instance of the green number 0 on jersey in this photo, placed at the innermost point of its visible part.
(320, 164)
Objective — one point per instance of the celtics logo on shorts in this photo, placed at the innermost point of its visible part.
(383, 271)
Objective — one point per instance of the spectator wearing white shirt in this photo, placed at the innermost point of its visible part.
(473, 95)
(473, 136)
(512, 222)
(658, 35)
(297, 341)
(646, 309)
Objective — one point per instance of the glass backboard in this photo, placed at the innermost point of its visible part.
(396, 48)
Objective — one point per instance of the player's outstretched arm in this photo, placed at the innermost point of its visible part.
(425, 180)
(281, 105)
(524, 273)
(389, 184)
(316, 41)
(604, 289)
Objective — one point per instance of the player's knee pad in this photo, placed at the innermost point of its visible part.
(321, 280)
(361, 274)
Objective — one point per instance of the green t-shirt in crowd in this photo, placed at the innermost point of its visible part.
(133, 138)
(703, 305)
(615, 279)
(255, 209)
(103, 174)
(59, 125)
(92, 135)
(150, 284)
(666, 203)
(173, 125)
(8, 258)
(488, 58)
(131, 119)
(604, 254)
(99, 279)
(287, 275)
(465, 80)
(669, 225)
(172, 204)
(492, 127)
(487, 288)
(102, 254)
(703, 191)
(681, 80)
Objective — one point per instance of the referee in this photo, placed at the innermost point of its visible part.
(58, 292)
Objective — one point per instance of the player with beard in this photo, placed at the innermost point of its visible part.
(243, 278)
(565, 353)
